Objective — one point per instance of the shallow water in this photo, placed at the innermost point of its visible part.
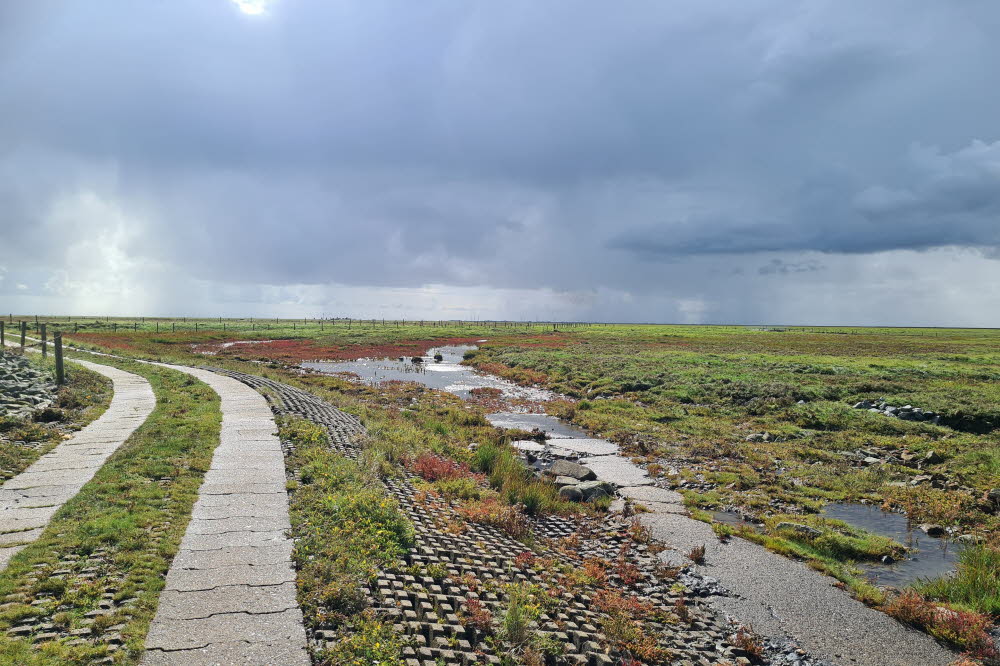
(551, 425)
(445, 375)
(929, 557)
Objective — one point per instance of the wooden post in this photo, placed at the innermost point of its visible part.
(45, 344)
(157, 327)
(3, 336)
(173, 326)
(60, 371)
(24, 331)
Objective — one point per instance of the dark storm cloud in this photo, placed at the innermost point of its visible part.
(516, 145)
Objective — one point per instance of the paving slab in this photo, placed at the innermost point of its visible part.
(227, 599)
(29, 500)
(230, 591)
(617, 470)
(237, 653)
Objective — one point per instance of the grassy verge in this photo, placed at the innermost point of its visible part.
(347, 529)
(99, 566)
(84, 397)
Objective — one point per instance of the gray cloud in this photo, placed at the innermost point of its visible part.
(672, 162)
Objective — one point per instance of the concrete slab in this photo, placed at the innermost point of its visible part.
(30, 499)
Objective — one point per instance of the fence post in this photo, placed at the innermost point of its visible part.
(3, 336)
(24, 330)
(60, 371)
(45, 344)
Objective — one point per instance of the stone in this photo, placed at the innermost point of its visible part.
(933, 458)
(595, 490)
(799, 529)
(932, 530)
(572, 470)
(571, 494)
(565, 481)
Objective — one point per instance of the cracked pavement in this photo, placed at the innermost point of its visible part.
(230, 592)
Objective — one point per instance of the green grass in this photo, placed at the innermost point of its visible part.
(975, 585)
(135, 509)
(346, 529)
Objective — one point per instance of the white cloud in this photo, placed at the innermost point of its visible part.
(253, 7)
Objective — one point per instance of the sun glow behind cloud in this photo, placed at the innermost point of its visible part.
(252, 7)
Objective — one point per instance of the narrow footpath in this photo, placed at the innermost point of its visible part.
(230, 591)
(781, 597)
(29, 500)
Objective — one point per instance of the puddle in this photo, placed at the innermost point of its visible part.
(445, 375)
(212, 348)
(930, 557)
(550, 425)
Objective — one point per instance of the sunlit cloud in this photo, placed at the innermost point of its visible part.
(252, 7)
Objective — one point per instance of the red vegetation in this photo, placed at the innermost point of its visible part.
(432, 468)
(524, 560)
(962, 628)
(476, 616)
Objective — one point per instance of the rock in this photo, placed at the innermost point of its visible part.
(571, 494)
(595, 489)
(565, 481)
(933, 458)
(758, 437)
(573, 470)
(870, 460)
(993, 496)
(799, 529)
(969, 538)
(932, 530)
(907, 456)
(920, 478)
(864, 404)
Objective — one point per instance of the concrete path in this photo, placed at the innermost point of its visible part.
(777, 596)
(782, 597)
(29, 500)
(230, 592)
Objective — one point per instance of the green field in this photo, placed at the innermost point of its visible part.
(754, 419)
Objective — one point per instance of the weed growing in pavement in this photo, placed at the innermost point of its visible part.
(346, 529)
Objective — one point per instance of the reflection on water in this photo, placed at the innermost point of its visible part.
(930, 557)
(552, 426)
(446, 375)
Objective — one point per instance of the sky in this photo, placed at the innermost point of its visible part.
(693, 161)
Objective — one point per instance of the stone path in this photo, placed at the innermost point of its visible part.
(230, 592)
(29, 500)
(777, 596)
